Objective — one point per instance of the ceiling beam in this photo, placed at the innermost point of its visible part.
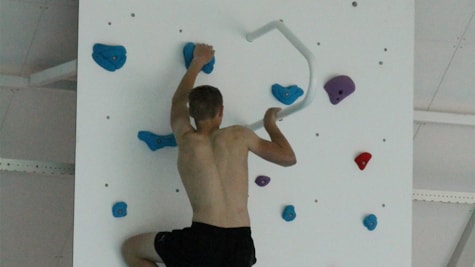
(54, 74)
(443, 196)
(42, 78)
(11, 81)
(37, 167)
(444, 118)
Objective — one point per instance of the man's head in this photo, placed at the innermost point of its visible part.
(205, 102)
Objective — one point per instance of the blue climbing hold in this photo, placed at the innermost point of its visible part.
(370, 222)
(119, 209)
(188, 54)
(109, 57)
(286, 95)
(155, 141)
(289, 213)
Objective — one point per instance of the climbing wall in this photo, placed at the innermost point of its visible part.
(334, 187)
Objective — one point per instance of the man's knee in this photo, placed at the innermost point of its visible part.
(127, 249)
(140, 248)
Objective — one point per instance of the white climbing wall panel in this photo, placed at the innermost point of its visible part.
(370, 41)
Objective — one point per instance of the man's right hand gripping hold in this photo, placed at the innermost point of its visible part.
(213, 166)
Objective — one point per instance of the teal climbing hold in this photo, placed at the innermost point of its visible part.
(188, 54)
(370, 222)
(119, 209)
(109, 57)
(289, 213)
(155, 141)
(286, 95)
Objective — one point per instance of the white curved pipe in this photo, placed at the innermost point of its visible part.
(312, 84)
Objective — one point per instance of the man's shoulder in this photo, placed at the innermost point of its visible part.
(236, 129)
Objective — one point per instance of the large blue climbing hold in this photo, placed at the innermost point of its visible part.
(109, 57)
(370, 222)
(119, 209)
(289, 213)
(286, 95)
(188, 54)
(155, 141)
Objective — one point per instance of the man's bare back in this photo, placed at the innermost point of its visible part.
(214, 172)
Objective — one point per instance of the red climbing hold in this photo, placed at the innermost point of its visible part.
(362, 160)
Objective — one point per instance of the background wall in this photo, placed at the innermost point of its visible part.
(372, 43)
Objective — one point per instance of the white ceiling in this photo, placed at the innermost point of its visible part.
(40, 34)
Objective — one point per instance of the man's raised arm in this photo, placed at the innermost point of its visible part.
(278, 150)
(179, 117)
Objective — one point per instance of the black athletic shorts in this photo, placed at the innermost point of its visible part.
(203, 245)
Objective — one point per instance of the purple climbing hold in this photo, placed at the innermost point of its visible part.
(339, 87)
(262, 180)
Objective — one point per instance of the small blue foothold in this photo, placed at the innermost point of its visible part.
(370, 222)
(188, 54)
(119, 209)
(109, 57)
(155, 141)
(286, 95)
(289, 213)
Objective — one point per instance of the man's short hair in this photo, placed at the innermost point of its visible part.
(204, 102)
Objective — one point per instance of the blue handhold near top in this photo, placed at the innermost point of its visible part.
(289, 213)
(155, 141)
(286, 95)
(119, 209)
(188, 54)
(370, 222)
(109, 57)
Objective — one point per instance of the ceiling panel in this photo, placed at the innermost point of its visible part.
(5, 100)
(40, 126)
(469, 37)
(442, 20)
(444, 157)
(56, 39)
(37, 212)
(457, 91)
(440, 66)
(437, 227)
(429, 69)
(18, 20)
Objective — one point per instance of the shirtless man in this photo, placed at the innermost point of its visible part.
(212, 163)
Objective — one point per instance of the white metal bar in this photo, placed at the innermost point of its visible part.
(39, 79)
(37, 167)
(444, 196)
(54, 74)
(312, 85)
(463, 255)
(444, 118)
(11, 81)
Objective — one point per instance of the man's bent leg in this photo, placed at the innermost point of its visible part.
(139, 251)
